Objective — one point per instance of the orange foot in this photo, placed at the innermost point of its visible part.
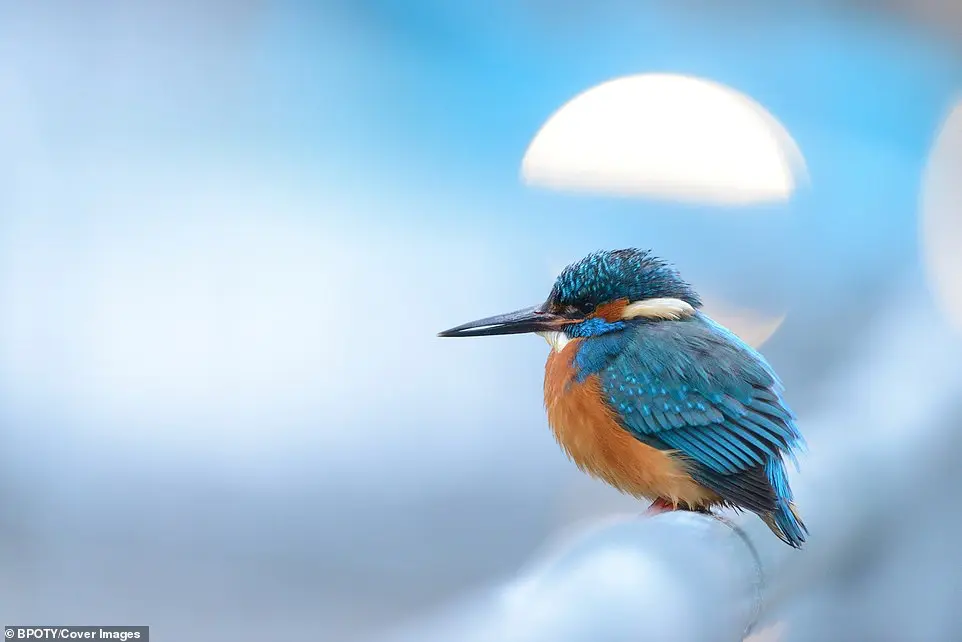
(660, 506)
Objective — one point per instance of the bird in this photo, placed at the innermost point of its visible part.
(646, 392)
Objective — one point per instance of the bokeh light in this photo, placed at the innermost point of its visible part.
(666, 136)
(753, 326)
(941, 216)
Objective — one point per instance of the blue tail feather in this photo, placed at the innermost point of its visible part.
(784, 521)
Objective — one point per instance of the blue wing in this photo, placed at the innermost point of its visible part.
(694, 387)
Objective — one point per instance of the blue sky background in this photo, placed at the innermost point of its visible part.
(230, 230)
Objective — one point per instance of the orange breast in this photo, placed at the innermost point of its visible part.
(588, 432)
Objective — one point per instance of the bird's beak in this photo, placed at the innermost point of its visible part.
(533, 319)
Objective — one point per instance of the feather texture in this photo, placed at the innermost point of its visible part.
(693, 387)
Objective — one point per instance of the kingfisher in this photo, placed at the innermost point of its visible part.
(646, 392)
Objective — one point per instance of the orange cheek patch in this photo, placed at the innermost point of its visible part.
(613, 311)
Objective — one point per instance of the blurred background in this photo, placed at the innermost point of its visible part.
(229, 232)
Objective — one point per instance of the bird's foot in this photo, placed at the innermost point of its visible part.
(660, 506)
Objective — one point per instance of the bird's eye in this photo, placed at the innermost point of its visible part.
(587, 307)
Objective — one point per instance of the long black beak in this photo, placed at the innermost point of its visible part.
(533, 319)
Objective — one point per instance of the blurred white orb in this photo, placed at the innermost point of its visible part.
(941, 217)
(666, 136)
(753, 326)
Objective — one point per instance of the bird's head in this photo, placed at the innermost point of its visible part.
(601, 293)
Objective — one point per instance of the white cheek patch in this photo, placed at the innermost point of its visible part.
(557, 340)
(666, 309)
